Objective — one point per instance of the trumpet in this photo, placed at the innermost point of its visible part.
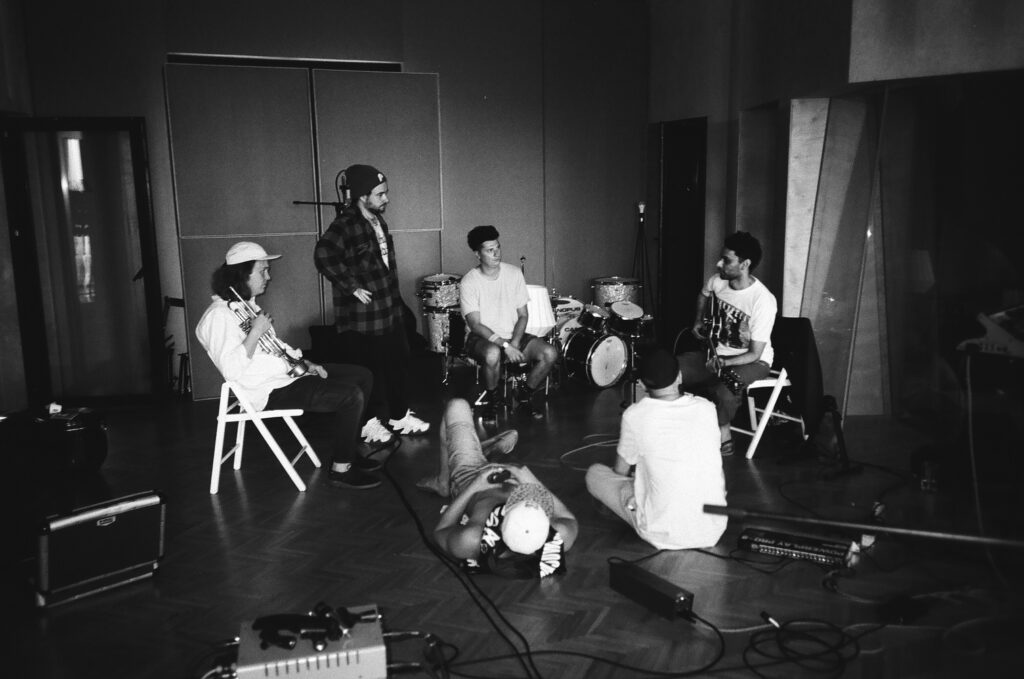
(268, 341)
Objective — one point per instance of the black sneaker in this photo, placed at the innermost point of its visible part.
(526, 408)
(523, 393)
(367, 464)
(371, 456)
(355, 478)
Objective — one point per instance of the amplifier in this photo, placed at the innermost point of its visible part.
(99, 547)
(359, 653)
(792, 546)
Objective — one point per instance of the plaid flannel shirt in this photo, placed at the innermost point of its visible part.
(349, 256)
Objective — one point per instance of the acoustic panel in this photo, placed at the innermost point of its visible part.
(389, 121)
(242, 149)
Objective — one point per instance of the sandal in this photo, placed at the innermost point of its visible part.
(727, 448)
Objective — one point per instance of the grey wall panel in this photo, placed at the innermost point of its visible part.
(390, 121)
(291, 298)
(242, 149)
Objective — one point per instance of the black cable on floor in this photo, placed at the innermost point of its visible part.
(476, 594)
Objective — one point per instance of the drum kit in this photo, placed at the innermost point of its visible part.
(599, 342)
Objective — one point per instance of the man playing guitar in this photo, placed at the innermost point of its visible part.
(735, 317)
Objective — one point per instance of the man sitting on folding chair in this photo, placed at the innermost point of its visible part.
(240, 339)
(734, 320)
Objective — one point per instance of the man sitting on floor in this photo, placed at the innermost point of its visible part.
(673, 441)
(513, 527)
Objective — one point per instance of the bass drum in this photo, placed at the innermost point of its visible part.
(598, 359)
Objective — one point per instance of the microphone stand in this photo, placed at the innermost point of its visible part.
(337, 205)
(640, 266)
(640, 271)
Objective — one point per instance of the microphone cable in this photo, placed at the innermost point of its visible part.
(476, 593)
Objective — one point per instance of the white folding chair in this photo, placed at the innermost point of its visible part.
(777, 380)
(235, 407)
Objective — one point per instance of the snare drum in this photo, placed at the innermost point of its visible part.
(625, 318)
(614, 289)
(439, 291)
(446, 331)
(593, 318)
(597, 359)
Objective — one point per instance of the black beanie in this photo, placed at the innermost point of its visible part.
(361, 179)
(659, 369)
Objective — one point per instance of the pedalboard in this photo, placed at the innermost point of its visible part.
(650, 590)
(326, 644)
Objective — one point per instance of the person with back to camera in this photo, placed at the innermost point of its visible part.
(268, 380)
(501, 519)
(493, 297)
(735, 317)
(672, 440)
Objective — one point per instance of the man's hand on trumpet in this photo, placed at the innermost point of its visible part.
(315, 369)
(261, 323)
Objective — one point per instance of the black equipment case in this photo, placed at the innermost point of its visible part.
(99, 547)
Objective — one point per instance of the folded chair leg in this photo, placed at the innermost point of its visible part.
(306, 447)
(766, 416)
(279, 454)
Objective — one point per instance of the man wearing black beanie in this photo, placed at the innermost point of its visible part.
(357, 255)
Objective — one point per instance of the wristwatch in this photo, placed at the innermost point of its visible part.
(505, 345)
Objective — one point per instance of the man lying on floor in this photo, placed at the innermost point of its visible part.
(513, 527)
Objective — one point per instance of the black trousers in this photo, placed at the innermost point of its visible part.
(388, 357)
(343, 393)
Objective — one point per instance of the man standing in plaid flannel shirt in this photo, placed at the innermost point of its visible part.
(357, 255)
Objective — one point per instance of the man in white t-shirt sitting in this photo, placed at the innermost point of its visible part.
(494, 301)
(735, 317)
(672, 440)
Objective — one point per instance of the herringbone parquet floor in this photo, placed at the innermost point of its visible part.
(258, 547)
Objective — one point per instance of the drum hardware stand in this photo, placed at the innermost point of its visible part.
(632, 375)
(640, 266)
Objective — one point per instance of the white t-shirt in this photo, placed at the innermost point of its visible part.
(220, 333)
(675, 447)
(498, 300)
(742, 316)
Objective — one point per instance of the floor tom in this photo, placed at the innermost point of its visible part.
(446, 330)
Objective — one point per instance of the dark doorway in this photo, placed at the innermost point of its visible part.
(84, 258)
(683, 165)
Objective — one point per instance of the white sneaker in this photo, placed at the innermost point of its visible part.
(375, 432)
(410, 424)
